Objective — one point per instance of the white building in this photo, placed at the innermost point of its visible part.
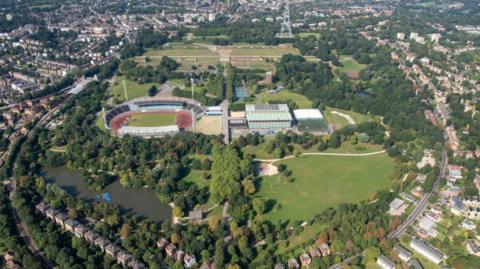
(385, 263)
(403, 253)
(428, 251)
(304, 114)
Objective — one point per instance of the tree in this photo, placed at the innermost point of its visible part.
(219, 258)
(152, 91)
(259, 205)
(225, 173)
(124, 230)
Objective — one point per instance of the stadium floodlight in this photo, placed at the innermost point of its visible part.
(192, 82)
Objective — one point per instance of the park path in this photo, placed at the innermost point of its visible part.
(349, 118)
(322, 154)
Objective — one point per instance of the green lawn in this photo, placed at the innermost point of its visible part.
(339, 121)
(284, 95)
(134, 89)
(324, 181)
(152, 119)
(304, 35)
(263, 51)
(350, 65)
(260, 153)
(195, 176)
(178, 49)
(100, 122)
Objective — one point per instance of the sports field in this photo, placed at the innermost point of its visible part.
(124, 89)
(152, 119)
(209, 125)
(334, 180)
(284, 95)
(203, 54)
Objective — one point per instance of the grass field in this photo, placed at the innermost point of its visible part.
(203, 54)
(134, 89)
(260, 153)
(304, 35)
(350, 65)
(100, 122)
(284, 95)
(210, 125)
(195, 176)
(152, 119)
(339, 121)
(335, 180)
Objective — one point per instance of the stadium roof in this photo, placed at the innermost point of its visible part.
(269, 116)
(307, 114)
(266, 107)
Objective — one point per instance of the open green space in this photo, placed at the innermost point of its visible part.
(306, 34)
(202, 54)
(133, 89)
(152, 119)
(195, 176)
(350, 65)
(260, 153)
(262, 51)
(322, 182)
(301, 100)
(100, 121)
(340, 122)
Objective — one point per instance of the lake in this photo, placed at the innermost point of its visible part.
(137, 202)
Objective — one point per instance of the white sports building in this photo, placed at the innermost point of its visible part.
(307, 114)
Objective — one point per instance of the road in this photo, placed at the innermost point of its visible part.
(24, 233)
(345, 262)
(225, 124)
(422, 205)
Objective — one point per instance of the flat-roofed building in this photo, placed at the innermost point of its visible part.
(268, 116)
(432, 254)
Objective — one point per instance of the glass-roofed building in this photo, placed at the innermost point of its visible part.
(268, 116)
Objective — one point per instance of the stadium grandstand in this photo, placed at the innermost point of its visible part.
(148, 131)
(186, 110)
(268, 116)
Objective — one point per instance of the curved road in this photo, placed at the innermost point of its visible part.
(423, 202)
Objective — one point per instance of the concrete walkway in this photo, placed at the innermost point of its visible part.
(322, 154)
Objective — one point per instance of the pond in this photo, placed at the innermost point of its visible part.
(137, 202)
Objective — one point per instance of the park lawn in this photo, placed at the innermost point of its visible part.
(195, 176)
(340, 122)
(100, 122)
(350, 65)
(134, 89)
(262, 51)
(152, 119)
(59, 149)
(301, 100)
(346, 147)
(322, 182)
(179, 49)
(306, 34)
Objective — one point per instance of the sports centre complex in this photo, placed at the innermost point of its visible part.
(160, 116)
(182, 111)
